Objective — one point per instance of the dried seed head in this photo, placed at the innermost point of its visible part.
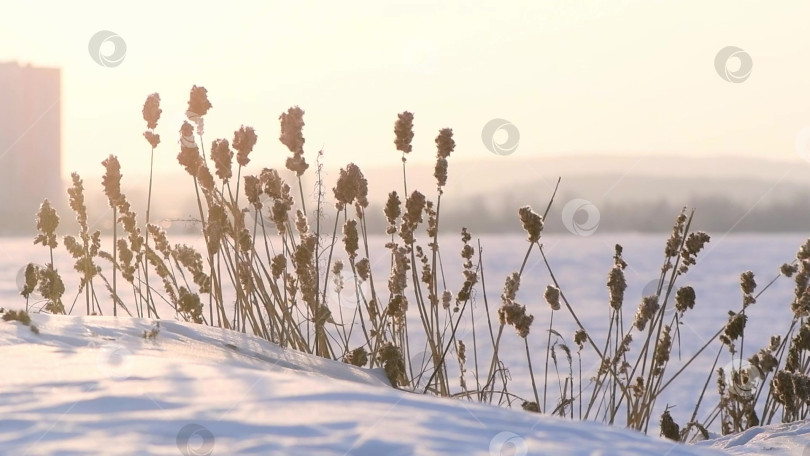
(734, 328)
(253, 191)
(663, 349)
(152, 138)
(580, 337)
(403, 131)
(273, 183)
(444, 147)
(514, 314)
(764, 361)
(292, 125)
(532, 223)
(279, 213)
(804, 251)
(337, 267)
(440, 173)
(685, 298)
(192, 260)
(243, 141)
(189, 304)
(297, 164)
(552, 296)
(433, 224)
(350, 238)
(461, 349)
(112, 180)
(801, 304)
(616, 284)
(152, 111)
(363, 268)
(397, 309)
(125, 258)
(357, 357)
(530, 406)
(303, 262)
(216, 227)
(646, 311)
(390, 356)
(675, 239)
(617, 257)
(791, 389)
(198, 106)
(51, 288)
(445, 143)
(447, 298)
(160, 240)
(511, 287)
(31, 279)
(748, 285)
(198, 101)
(222, 157)
(693, 245)
(151, 114)
(47, 223)
(189, 156)
(775, 343)
(398, 280)
(788, 270)
(392, 212)
(465, 235)
(414, 206)
(301, 222)
(351, 186)
(669, 428)
(277, 265)
(205, 178)
(747, 282)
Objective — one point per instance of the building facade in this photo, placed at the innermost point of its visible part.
(30, 143)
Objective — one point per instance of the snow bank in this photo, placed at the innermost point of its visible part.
(95, 385)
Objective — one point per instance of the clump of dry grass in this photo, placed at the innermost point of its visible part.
(21, 316)
(270, 268)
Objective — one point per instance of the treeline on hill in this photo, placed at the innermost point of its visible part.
(486, 215)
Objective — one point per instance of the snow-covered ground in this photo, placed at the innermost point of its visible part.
(95, 385)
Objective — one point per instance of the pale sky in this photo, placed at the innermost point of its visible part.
(573, 77)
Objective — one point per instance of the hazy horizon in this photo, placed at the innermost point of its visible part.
(632, 104)
(625, 77)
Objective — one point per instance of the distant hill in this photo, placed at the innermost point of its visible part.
(631, 192)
